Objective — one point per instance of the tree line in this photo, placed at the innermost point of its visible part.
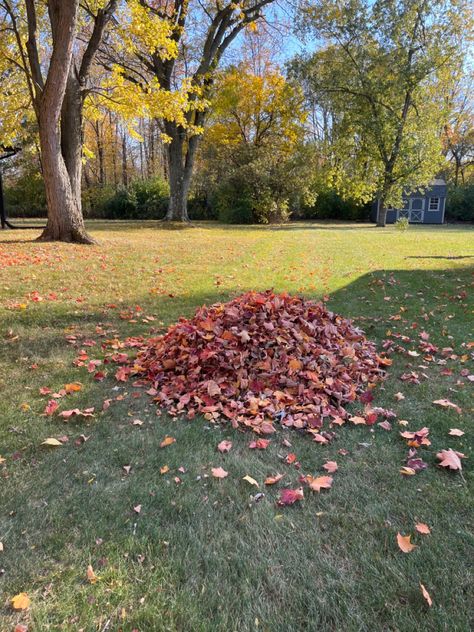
(108, 90)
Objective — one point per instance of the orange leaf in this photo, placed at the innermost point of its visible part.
(423, 528)
(330, 466)
(20, 601)
(219, 472)
(426, 595)
(91, 576)
(320, 482)
(164, 469)
(445, 403)
(271, 480)
(167, 441)
(404, 543)
(407, 471)
(74, 387)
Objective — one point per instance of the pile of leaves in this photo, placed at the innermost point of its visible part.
(261, 359)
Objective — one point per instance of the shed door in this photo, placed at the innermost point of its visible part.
(417, 210)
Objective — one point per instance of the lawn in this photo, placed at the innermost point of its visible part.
(199, 554)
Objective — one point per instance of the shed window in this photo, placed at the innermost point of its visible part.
(434, 204)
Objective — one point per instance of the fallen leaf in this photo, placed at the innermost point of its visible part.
(219, 472)
(250, 480)
(20, 628)
(137, 509)
(455, 432)
(422, 528)
(224, 446)
(91, 576)
(404, 543)
(450, 459)
(290, 496)
(407, 471)
(164, 469)
(330, 466)
(271, 480)
(445, 403)
(51, 442)
(320, 482)
(167, 441)
(74, 387)
(426, 595)
(126, 468)
(259, 444)
(20, 601)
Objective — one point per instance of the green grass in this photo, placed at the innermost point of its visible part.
(202, 555)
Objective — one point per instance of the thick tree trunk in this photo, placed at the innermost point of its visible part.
(72, 135)
(180, 170)
(65, 221)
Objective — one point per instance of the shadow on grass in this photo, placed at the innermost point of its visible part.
(201, 554)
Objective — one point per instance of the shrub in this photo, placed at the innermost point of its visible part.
(26, 197)
(330, 205)
(402, 223)
(143, 199)
(460, 203)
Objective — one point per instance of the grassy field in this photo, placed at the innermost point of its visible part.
(201, 555)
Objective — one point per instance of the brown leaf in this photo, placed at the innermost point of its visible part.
(404, 543)
(259, 444)
(445, 403)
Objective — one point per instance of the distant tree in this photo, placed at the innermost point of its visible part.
(458, 132)
(174, 85)
(254, 141)
(383, 70)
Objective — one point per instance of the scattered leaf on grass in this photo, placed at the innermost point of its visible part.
(164, 469)
(167, 441)
(20, 628)
(407, 471)
(290, 496)
(137, 509)
(91, 576)
(219, 472)
(224, 446)
(445, 403)
(330, 466)
(20, 601)
(455, 432)
(426, 595)
(271, 480)
(450, 459)
(250, 480)
(404, 543)
(259, 444)
(319, 483)
(51, 441)
(422, 528)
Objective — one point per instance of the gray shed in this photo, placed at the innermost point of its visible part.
(426, 207)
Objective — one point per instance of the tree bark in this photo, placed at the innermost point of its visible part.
(180, 156)
(72, 134)
(65, 220)
(381, 213)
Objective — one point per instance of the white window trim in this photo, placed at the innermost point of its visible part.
(438, 208)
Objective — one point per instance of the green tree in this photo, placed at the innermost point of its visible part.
(383, 70)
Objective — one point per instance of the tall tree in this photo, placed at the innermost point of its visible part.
(384, 69)
(182, 75)
(56, 65)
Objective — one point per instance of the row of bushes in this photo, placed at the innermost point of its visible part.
(231, 202)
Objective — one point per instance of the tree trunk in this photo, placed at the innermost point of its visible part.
(180, 170)
(381, 213)
(72, 135)
(65, 221)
